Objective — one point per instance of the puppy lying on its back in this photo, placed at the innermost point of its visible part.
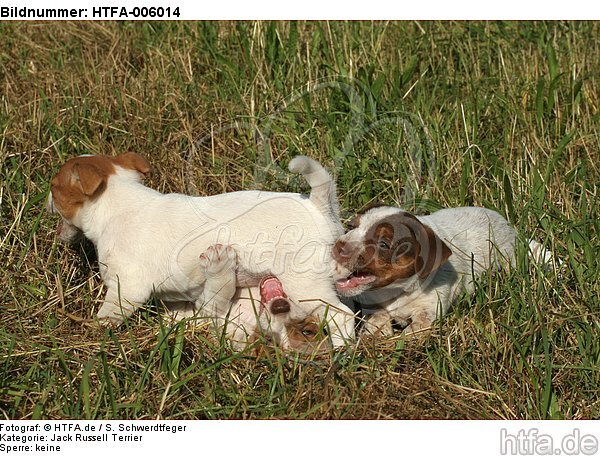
(245, 314)
(151, 242)
(407, 270)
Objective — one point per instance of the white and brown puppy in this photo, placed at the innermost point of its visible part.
(255, 313)
(407, 270)
(151, 242)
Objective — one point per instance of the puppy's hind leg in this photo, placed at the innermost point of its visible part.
(218, 264)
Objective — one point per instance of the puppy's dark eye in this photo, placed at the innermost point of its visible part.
(382, 244)
(308, 333)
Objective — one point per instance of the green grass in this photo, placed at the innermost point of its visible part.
(426, 115)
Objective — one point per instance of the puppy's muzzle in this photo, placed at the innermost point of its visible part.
(273, 297)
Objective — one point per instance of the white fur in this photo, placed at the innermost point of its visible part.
(151, 242)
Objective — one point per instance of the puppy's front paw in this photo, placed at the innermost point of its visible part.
(109, 322)
(378, 325)
(217, 260)
(109, 316)
(418, 323)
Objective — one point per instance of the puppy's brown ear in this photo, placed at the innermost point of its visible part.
(88, 178)
(135, 162)
(433, 251)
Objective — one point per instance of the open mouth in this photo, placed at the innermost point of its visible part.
(272, 296)
(354, 280)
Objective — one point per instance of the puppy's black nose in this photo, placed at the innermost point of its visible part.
(280, 306)
(342, 251)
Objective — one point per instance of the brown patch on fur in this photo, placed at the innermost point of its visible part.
(433, 251)
(354, 222)
(391, 251)
(133, 161)
(78, 180)
(83, 178)
(306, 335)
(258, 349)
(397, 247)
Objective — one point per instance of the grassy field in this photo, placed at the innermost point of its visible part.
(426, 115)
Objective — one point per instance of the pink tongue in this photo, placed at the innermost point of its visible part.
(353, 282)
(271, 288)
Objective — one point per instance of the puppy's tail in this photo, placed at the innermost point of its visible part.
(543, 256)
(322, 186)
